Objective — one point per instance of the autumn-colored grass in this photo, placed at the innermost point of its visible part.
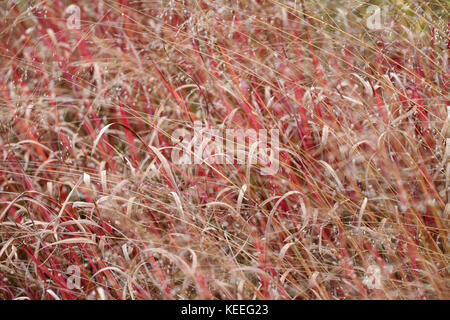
(357, 210)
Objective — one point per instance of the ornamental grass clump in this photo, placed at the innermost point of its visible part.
(333, 185)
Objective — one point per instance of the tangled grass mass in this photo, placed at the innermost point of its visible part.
(93, 204)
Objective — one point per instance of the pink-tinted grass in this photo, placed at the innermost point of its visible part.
(357, 210)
